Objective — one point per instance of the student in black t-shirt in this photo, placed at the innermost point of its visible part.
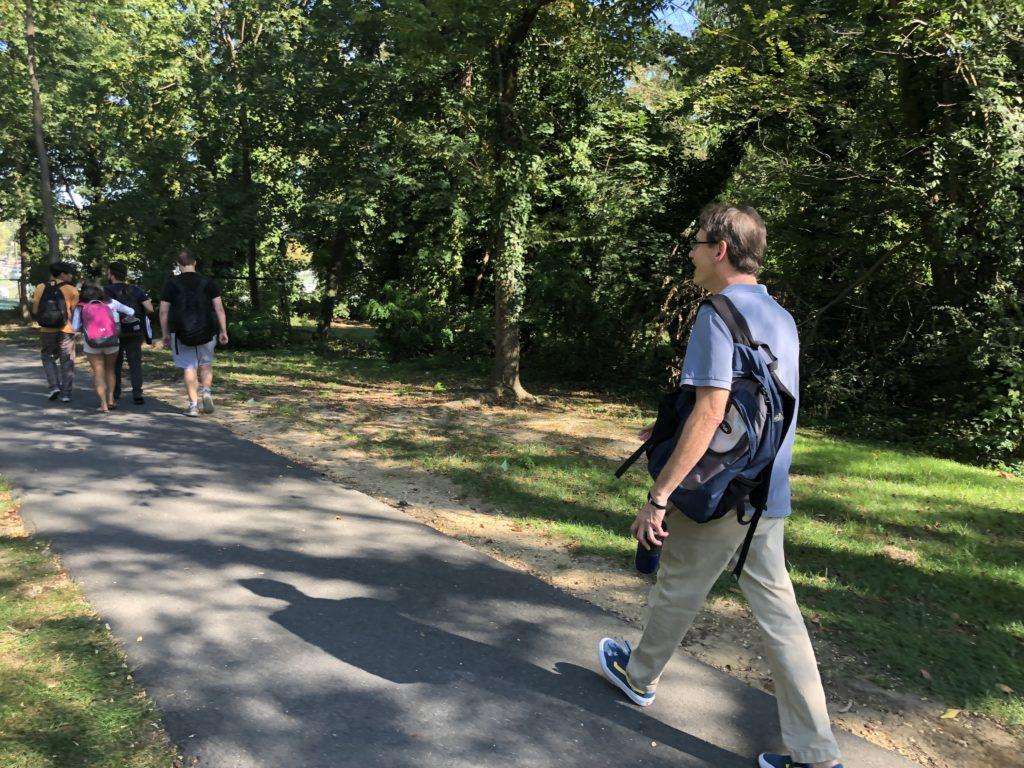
(193, 322)
(134, 330)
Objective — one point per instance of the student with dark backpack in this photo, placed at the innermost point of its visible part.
(193, 321)
(134, 330)
(52, 306)
(719, 455)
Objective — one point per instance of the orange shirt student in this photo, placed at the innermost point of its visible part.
(53, 313)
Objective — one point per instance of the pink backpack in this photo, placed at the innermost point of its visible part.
(99, 322)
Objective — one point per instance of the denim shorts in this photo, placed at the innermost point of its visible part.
(99, 350)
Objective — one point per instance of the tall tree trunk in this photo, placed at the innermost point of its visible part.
(243, 124)
(513, 208)
(94, 249)
(23, 302)
(922, 84)
(254, 281)
(235, 37)
(285, 299)
(45, 188)
(329, 295)
(478, 282)
(509, 284)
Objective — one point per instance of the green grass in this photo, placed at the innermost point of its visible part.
(910, 563)
(918, 564)
(66, 698)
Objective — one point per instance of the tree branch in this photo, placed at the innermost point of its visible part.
(816, 316)
(520, 30)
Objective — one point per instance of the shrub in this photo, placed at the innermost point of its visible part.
(408, 323)
(255, 329)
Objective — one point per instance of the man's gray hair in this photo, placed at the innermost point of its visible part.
(743, 231)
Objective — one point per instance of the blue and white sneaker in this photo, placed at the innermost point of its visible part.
(614, 656)
(768, 760)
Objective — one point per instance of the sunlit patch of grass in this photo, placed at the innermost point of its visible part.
(65, 696)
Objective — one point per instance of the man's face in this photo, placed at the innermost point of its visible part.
(66, 277)
(702, 254)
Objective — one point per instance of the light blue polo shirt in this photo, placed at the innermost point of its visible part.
(708, 363)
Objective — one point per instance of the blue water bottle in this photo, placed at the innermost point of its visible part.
(647, 560)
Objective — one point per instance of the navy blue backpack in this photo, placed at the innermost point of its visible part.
(734, 474)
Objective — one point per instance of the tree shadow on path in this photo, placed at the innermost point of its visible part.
(377, 637)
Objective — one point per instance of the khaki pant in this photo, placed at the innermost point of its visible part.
(693, 557)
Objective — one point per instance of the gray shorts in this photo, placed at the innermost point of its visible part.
(192, 357)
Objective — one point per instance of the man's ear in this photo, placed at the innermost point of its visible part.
(723, 249)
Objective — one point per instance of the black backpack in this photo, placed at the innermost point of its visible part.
(192, 310)
(130, 326)
(53, 307)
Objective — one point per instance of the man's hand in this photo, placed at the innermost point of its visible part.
(222, 338)
(166, 341)
(645, 434)
(649, 526)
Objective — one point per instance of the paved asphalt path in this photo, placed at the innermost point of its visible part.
(277, 635)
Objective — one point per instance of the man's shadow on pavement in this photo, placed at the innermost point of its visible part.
(375, 636)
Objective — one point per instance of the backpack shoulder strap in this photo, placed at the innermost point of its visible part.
(734, 321)
(741, 334)
(758, 497)
(180, 291)
(125, 295)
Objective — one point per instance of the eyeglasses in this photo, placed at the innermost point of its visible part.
(695, 243)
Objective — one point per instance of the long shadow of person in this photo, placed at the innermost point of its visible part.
(377, 637)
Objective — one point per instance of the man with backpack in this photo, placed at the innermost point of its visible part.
(52, 306)
(193, 322)
(134, 329)
(746, 327)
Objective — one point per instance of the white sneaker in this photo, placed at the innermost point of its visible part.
(192, 410)
(207, 402)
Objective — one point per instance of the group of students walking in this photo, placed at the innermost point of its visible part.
(114, 322)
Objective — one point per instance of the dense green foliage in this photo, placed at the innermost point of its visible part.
(513, 179)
